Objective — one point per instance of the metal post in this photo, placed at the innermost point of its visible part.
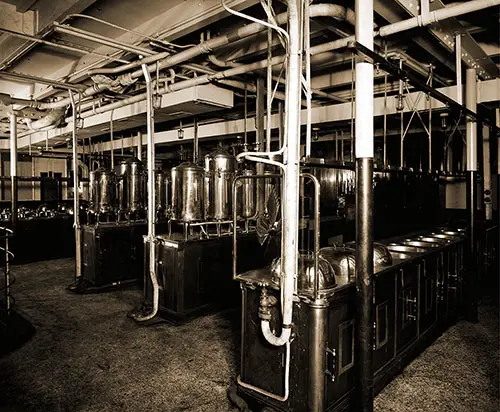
(76, 198)
(471, 130)
(139, 146)
(458, 67)
(317, 357)
(13, 169)
(260, 114)
(488, 206)
(364, 143)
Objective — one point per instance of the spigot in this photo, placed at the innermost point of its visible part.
(266, 303)
(400, 103)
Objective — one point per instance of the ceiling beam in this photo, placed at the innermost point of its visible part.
(487, 92)
(13, 48)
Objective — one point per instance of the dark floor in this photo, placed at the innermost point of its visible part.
(87, 356)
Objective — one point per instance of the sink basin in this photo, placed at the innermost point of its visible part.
(400, 256)
(434, 240)
(443, 236)
(394, 247)
(423, 243)
(453, 233)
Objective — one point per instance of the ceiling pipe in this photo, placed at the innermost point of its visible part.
(168, 60)
(51, 119)
(190, 53)
(29, 78)
(57, 45)
(105, 41)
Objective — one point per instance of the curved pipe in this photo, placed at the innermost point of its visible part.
(51, 119)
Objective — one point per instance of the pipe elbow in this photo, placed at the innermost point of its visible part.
(272, 338)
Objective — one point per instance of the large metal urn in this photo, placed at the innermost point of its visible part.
(106, 202)
(220, 169)
(188, 192)
(131, 186)
(94, 176)
(246, 195)
(161, 183)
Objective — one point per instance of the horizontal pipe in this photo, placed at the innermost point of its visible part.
(436, 16)
(29, 78)
(97, 38)
(57, 45)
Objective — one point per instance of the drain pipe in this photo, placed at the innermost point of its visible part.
(151, 198)
(291, 183)
(76, 196)
(364, 208)
(13, 169)
(471, 135)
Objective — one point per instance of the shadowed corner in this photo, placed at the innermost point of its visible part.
(15, 331)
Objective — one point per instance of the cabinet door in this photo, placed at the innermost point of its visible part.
(429, 271)
(407, 304)
(340, 347)
(384, 310)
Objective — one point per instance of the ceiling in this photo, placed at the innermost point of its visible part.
(53, 40)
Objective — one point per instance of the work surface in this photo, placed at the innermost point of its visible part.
(87, 356)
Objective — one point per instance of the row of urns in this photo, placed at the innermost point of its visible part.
(186, 193)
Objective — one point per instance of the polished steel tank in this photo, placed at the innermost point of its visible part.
(131, 186)
(161, 191)
(188, 192)
(246, 195)
(136, 186)
(106, 191)
(220, 169)
(94, 177)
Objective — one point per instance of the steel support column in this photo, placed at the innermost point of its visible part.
(488, 206)
(471, 280)
(139, 145)
(317, 356)
(13, 169)
(364, 142)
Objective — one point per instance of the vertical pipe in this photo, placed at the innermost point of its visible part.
(139, 146)
(498, 164)
(76, 196)
(317, 357)
(195, 140)
(111, 137)
(151, 198)
(281, 125)
(269, 84)
(290, 181)
(307, 51)
(471, 133)
(260, 112)
(458, 67)
(13, 169)
(364, 208)
(488, 206)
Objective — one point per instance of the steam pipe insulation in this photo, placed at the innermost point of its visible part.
(51, 119)
(364, 139)
(151, 198)
(290, 182)
(166, 60)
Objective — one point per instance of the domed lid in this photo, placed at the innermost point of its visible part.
(188, 166)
